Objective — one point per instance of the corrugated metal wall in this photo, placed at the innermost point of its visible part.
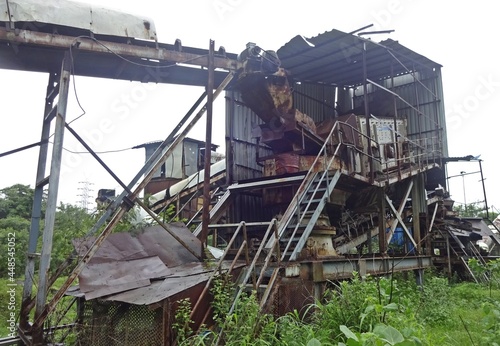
(241, 154)
(242, 148)
(315, 100)
(427, 96)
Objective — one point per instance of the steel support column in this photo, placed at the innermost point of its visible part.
(367, 116)
(418, 198)
(36, 212)
(382, 236)
(50, 213)
(152, 165)
(205, 219)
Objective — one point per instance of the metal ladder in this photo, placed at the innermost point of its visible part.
(300, 217)
(464, 258)
(309, 201)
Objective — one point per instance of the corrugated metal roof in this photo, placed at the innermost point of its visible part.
(102, 279)
(179, 279)
(336, 57)
(150, 242)
(160, 290)
(143, 267)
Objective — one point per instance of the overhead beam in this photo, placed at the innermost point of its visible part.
(152, 56)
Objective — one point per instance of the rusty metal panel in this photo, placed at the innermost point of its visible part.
(293, 294)
(315, 100)
(153, 241)
(242, 148)
(159, 290)
(102, 279)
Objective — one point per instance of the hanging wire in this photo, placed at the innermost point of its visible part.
(75, 91)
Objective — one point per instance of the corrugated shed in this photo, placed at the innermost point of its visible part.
(335, 57)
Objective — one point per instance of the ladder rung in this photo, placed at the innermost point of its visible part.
(312, 201)
(286, 240)
(43, 182)
(296, 226)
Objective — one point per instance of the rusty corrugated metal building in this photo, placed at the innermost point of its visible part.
(335, 163)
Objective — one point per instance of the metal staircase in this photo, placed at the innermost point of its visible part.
(465, 253)
(301, 215)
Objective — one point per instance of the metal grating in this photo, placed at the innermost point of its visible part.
(111, 323)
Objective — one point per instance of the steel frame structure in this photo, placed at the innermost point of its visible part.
(218, 68)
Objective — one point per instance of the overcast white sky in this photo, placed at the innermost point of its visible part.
(459, 35)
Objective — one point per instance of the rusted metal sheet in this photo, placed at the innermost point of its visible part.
(182, 279)
(286, 163)
(291, 163)
(174, 281)
(159, 290)
(153, 241)
(102, 279)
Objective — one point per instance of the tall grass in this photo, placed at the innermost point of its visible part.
(372, 311)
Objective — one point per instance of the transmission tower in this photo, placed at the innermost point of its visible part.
(85, 189)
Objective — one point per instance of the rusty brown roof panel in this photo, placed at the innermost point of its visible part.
(159, 290)
(158, 242)
(150, 242)
(102, 279)
(183, 278)
(178, 279)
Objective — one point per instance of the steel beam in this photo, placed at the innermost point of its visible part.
(153, 167)
(88, 44)
(398, 217)
(205, 218)
(338, 269)
(36, 211)
(382, 236)
(50, 213)
(400, 210)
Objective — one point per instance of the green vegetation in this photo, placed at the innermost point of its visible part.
(71, 222)
(474, 209)
(368, 311)
(362, 311)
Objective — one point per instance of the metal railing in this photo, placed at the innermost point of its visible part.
(241, 229)
(250, 272)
